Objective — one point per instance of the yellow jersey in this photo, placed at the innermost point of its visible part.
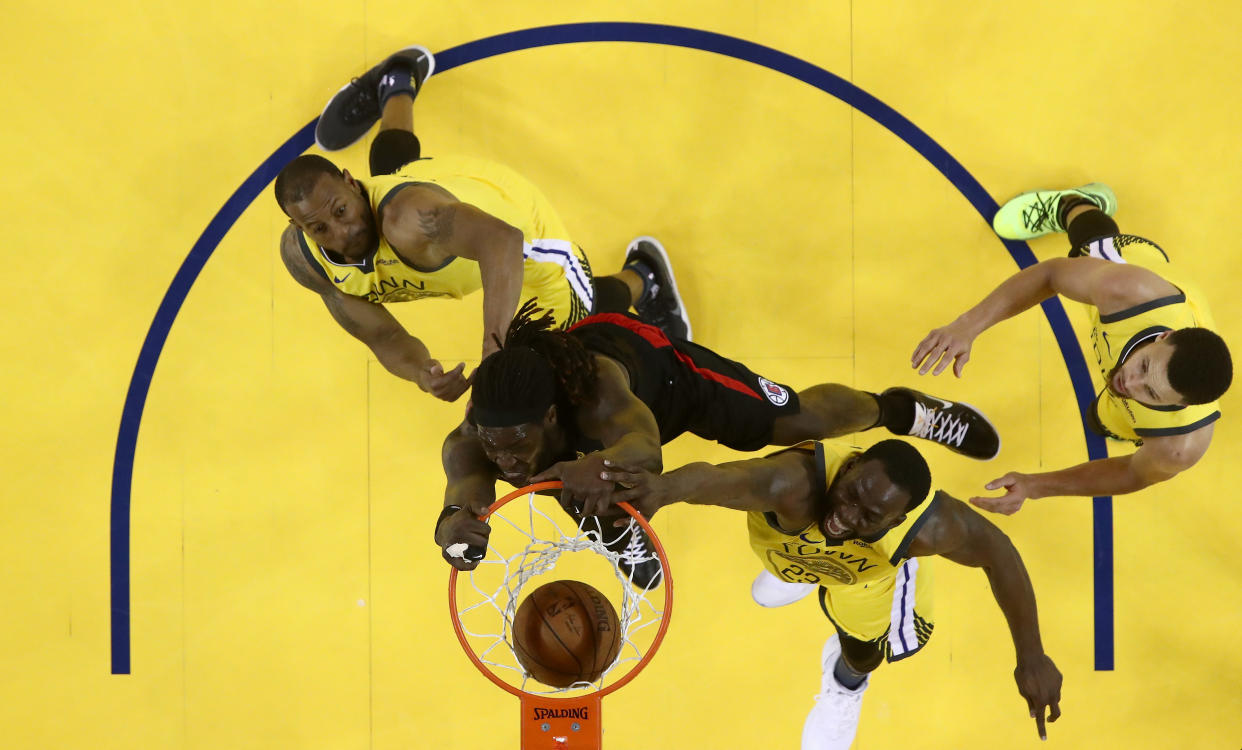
(1116, 335)
(805, 555)
(556, 272)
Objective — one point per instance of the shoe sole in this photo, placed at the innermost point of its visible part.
(672, 280)
(431, 68)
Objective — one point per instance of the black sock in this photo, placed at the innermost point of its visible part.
(846, 676)
(1069, 202)
(611, 295)
(896, 411)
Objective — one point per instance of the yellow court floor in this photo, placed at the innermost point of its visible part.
(817, 172)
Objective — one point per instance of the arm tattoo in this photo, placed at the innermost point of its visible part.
(437, 223)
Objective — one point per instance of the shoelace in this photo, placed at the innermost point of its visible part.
(938, 426)
(635, 551)
(1042, 215)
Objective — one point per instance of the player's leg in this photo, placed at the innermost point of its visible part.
(730, 404)
(833, 721)
(869, 629)
(362, 102)
(646, 283)
(1039, 212)
(830, 410)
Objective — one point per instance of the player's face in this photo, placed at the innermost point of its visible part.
(1144, 376)
(337, 216)
(516, 451)
(863, 503)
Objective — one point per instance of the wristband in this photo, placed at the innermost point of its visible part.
(448, 511)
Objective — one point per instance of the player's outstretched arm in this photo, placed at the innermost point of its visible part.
(967, 538)
(421, 217)
(400, 353)
(784, 483)
(628, 431)
(1157, 460)
(469, 490)
(1108, 286)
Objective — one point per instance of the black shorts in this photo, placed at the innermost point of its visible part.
(690, 388)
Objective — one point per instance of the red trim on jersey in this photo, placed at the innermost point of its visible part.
(654, 336)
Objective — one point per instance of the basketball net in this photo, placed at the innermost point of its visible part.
(526, 542)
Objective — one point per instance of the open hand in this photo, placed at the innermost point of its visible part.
(949, 344)
(1018, 489)
(1039, 682)
(445, 385)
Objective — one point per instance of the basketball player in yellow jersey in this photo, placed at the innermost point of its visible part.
(859, 527)
(440, 227)
(1162, 366)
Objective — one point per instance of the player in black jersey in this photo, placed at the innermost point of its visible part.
(555, 404)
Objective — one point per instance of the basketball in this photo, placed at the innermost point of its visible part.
(566, 632)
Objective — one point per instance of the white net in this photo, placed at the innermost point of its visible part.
(528, 543)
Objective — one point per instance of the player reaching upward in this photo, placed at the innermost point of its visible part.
(1162, 366)
(860, 527)
(555, 405)
(441, 226)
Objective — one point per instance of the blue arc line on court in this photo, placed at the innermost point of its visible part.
(677, 36)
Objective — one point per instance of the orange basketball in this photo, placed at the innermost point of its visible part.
(566, 632)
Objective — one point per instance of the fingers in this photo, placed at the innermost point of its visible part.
(548, 474)
(1039, 722)
(922, 350)
(1054, 712)
(447, 386)
(1004, 482)
(1000, 505)
(960, 362)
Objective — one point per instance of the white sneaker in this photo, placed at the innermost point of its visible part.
(833, 720)
(770, 591)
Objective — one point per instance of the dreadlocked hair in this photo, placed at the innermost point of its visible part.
(511, 374)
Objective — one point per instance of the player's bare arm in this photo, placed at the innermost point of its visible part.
(1111, 287)
(956, 532)
(784, 484)
(1156, 460)
(400, 353)
(628, 431)
(427, 226)
(470, 489)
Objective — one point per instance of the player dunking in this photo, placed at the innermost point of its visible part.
(1162, 366)
(555, 405)
(440, 227)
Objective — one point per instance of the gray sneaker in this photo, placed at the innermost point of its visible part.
(356, 107)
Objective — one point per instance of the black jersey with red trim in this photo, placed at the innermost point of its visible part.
(688, 387)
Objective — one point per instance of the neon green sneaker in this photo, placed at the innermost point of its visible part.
(1034, 214)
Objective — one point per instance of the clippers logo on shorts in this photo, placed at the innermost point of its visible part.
(775, 393)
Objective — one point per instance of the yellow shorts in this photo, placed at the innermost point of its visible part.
(895, 615)
(558, 275)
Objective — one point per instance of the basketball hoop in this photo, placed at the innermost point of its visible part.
(527, 542)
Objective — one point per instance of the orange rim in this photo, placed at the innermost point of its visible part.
(665, 617)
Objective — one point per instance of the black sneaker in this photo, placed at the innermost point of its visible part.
(356, 107)
(662, 305)
(957, 426)
(637, 560)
